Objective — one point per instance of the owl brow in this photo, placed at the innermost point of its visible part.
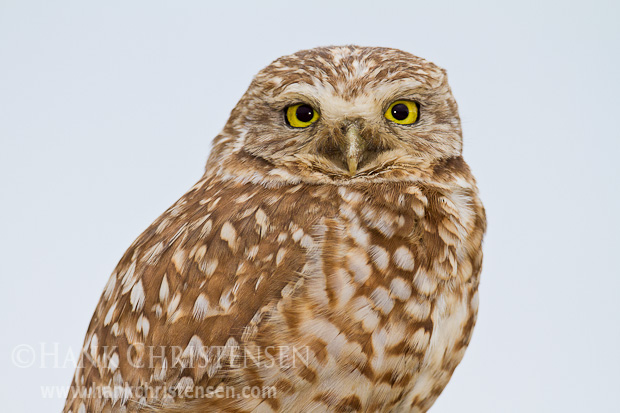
(287, 99)
(408, 92)
(418, 94)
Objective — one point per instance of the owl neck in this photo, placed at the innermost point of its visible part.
(241, 167)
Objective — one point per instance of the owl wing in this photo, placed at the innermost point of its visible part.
(201, 276)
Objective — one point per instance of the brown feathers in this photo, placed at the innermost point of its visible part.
(285, 281)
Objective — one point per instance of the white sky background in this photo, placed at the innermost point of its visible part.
(107, 111)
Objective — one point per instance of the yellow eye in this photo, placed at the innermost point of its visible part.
(301, 115)
(403, 112)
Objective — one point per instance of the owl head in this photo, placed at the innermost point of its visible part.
(340, 114)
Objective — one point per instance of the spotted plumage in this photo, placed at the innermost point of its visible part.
(347, 253)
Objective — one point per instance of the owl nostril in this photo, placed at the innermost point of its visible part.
(347, 123)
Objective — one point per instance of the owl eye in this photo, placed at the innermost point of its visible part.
(301, 115)
(403, 112)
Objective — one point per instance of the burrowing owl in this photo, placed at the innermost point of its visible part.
(328, 259)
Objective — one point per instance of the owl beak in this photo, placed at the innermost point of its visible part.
(354, 148)
(352, 163)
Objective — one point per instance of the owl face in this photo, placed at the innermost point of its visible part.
(346, 113)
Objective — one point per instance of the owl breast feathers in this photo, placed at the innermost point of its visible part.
(328, 260)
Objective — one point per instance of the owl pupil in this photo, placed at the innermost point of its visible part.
(304, 113)
(400, 111)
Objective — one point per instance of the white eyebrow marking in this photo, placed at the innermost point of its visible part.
(368, 104)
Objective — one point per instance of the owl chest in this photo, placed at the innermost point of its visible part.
(377, 338)
(382, 303)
